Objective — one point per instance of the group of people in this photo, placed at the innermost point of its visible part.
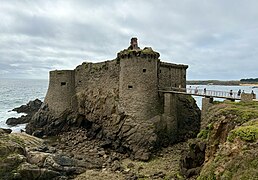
(239, 92)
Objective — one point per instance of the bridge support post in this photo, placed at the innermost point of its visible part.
(169, 103)
(245, 97)
(170, 115)
(207, 102)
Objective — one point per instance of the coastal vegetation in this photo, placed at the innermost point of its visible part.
(231, 135)
(250, 80)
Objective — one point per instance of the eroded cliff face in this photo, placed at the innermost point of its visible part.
(231, 134)
(105, 119)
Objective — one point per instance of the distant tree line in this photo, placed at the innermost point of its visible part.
(249, 80)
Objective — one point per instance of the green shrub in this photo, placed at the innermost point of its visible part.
(203, 134)
(245, 133)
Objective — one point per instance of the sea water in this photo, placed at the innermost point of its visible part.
(16, 92)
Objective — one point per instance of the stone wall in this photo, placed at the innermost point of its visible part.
(61, 89)
(97, 94)
(172, 75)
(104, 75)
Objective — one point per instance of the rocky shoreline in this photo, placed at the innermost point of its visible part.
(65, 157)
(29, 109)
(228, 131)
(74, 145)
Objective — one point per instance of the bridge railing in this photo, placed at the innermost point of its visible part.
(204, 92)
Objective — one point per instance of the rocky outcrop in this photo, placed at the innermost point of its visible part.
(189, 118)
(192, 160)
(231, 134)
(29, 109)
(27, 157)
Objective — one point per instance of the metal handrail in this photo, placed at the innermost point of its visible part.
(202, 92)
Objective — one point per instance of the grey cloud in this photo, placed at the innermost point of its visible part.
(218, 39)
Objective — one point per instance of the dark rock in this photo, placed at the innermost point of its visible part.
(20, 120)
(158, 175)
(28, 171)
(131, 176)
(5, 131)
(43, 148)
(140, 168)
(64, 160)
(38, 133)
(192, 160)
(189, 118)
(130, 165)
(48, 125)
(116, 165)
(30, 109)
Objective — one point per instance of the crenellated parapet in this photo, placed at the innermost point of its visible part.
(146, 53)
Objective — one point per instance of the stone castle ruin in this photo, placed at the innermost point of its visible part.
(136, 75)
(119, 101)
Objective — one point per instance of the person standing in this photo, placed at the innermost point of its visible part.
(239, 92)
(196, 90)
(253, 94)
(231, 92)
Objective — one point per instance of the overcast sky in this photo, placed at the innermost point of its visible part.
(218, 39)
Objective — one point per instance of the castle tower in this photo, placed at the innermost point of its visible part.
(138, 81)
(134, 44)
(61, 89)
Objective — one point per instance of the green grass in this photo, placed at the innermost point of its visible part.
(243, 111)
(248, 132)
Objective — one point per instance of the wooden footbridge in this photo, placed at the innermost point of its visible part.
(203, 92)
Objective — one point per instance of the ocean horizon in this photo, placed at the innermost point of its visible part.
(16, 92)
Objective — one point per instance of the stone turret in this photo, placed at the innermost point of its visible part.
(61, 89)
(134, 44)
(138, 82)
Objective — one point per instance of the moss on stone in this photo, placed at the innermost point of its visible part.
(203, 134)
(239, 112)
(248, 132)
(148, 51)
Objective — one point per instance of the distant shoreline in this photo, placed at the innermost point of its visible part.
(224, 83)
(251, 84)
